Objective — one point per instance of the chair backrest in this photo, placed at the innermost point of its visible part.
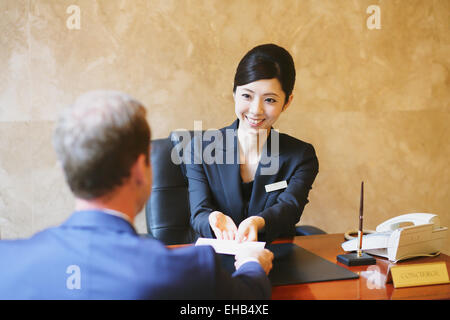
(167, 211)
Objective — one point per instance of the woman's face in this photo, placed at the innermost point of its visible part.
(258, 104)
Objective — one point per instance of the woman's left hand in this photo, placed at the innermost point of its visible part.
(248, 229)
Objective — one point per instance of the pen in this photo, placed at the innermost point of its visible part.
(360, 231)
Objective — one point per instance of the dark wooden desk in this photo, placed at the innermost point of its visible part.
(370, 284)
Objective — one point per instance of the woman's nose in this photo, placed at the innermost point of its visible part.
(256, 107)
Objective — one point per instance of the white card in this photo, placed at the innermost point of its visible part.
(276, 186)
(228, 246)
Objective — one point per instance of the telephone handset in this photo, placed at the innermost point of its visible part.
(410, 219)
(406, 236)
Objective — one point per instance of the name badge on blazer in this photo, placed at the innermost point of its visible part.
(276, 186)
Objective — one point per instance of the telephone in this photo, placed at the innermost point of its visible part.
(403, 237)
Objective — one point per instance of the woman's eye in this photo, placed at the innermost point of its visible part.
(246, 96)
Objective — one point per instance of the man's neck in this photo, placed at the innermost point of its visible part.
(101, 204)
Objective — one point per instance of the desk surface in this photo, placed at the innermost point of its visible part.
(371, 283)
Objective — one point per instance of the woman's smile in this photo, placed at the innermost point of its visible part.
(254, 122)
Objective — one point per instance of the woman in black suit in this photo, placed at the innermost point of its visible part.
(263, 191)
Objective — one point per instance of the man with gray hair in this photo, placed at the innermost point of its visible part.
(103, 145)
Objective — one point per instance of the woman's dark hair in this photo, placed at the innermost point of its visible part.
(267, 61)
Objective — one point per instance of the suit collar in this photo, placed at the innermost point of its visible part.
(97, 219)
(234, 125)
(228, 137)
(266, 172)
(229, 171)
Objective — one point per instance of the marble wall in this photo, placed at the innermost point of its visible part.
(375, 103)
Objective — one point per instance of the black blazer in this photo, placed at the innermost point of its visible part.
(217, 186)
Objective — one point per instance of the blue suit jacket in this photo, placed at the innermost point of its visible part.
(94, 255)
(216, 185)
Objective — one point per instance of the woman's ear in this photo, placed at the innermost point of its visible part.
(288, 103)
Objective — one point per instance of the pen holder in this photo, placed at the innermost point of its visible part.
(352, 259)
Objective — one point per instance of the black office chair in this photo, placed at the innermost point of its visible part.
(167, 211)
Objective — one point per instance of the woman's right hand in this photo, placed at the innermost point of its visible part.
(222, 225)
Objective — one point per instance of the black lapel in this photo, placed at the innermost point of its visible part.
(229, 171)
(266, 173)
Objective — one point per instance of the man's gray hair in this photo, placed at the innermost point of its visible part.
(98, 139)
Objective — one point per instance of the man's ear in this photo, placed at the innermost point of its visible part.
(288, 103)
(139, 169)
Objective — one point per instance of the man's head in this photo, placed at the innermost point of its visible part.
(99, 140)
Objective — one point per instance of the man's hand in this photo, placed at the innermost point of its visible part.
(263, 256)
(223, 226)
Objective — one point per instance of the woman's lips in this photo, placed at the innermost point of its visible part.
(254, 122)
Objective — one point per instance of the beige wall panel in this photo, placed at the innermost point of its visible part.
(374, 103)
